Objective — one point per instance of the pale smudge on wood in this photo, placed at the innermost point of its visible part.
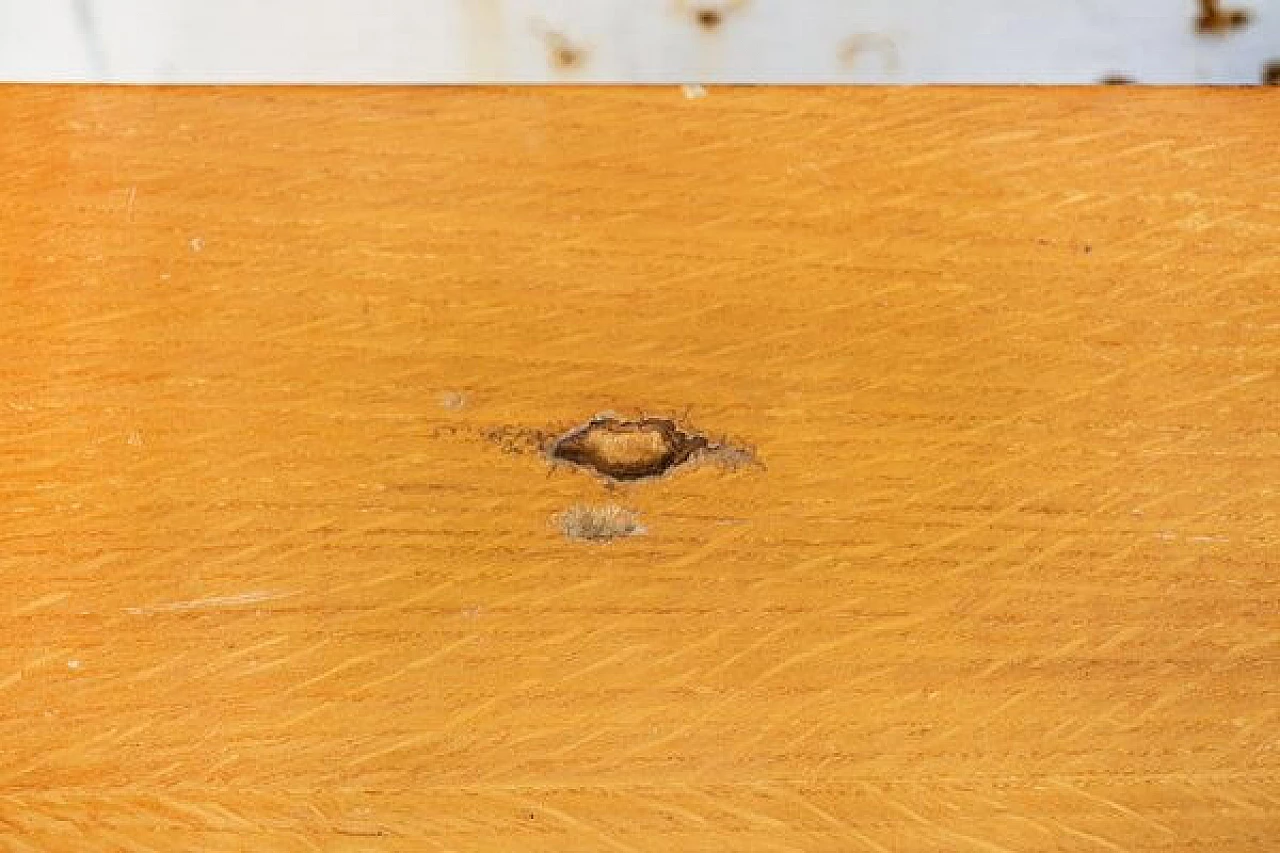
(211, 603)
(599, 523)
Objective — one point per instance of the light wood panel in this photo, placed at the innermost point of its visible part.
(280, 565)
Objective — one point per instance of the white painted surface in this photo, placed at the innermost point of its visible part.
(657, 41)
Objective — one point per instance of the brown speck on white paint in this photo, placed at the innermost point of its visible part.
(1214, 20)
(563, 54)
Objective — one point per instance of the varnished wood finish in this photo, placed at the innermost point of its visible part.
(280, 565)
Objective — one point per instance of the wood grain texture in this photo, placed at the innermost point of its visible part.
(281, 572)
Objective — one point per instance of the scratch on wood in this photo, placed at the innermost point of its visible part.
(212, 603)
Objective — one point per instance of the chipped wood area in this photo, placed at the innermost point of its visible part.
(621, 449)
(280, 566)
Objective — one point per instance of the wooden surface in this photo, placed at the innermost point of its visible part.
(280, 569)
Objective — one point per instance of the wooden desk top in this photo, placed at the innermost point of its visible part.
(281, 564)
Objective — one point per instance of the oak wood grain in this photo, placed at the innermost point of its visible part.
(280, 565)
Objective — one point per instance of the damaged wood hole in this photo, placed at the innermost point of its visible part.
(623, 450)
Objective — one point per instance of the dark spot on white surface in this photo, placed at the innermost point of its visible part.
(1214, 20)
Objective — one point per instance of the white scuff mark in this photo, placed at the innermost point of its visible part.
(134, 438)
(41, 603)
(197, 244)
(599, 524)
(1208, 539)
(212, 603)
(452, 400)
(73, 664)
(693, 91)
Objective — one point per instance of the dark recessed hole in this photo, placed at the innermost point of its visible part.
(1116, 80)
(708, 19)
(628, 450)
(1271, 73)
